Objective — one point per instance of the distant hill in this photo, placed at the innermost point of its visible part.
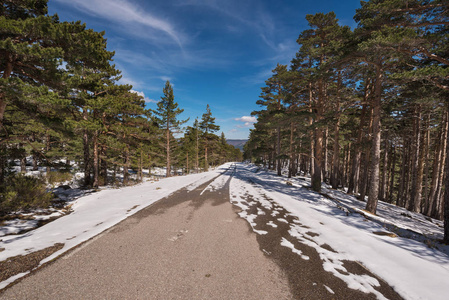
(237, 143)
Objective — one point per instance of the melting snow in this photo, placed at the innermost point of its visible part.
(413, 269)
(288, 244)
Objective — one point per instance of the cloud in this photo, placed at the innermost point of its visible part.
(165, 78)
(142, 94)
(258, 78)
(247, 120)
(125, 13)
(170, 61)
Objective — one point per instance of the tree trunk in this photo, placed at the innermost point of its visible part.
(96, 160)
(404, 159)
(416, 182)
(383, 180)
(316, 175)
(388, 175)
(291, 162)
(197, 153)
(125, 167)
(408, 175)
(104, 167)
(325, 154)
(312, 134)
(346, 164)
(392, 175)
(6, 74)
(47, 149)
(420, 175)
(34, 154)
(427, 167)
(433, 184)
(440, 193)
(366, 155)
(3, 160)
(141, 165)
(373, 194)
(437, 161)
(364, 176)
(23, 160)
(355, 172)
(446, 194)
(318, 146)
(278, 151)
(35, 164)
(336, 154)
(206, 164)
(86, 153)
(167, 133)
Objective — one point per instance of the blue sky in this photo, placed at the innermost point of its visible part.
(213, 52)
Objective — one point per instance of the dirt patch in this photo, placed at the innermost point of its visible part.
(23, 263)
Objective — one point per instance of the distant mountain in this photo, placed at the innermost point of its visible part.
(237, 143)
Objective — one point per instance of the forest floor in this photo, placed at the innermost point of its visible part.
(193, 244)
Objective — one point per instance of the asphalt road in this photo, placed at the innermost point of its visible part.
(191, 245)
(186, 246)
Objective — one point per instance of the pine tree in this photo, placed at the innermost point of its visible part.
(273, 96)
(320, 46)
(166, 115)
(208, 126)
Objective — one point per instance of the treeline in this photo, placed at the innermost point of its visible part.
(365, 109)
(60, 103)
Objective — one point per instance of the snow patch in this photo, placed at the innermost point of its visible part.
(288, 244)
(329, 289)
(272, 224)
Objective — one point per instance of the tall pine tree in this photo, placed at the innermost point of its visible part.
(167, 117)
(208, 127)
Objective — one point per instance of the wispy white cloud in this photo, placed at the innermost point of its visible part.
(248, 13)
(247, 120)
(142, 94)
(125, 13)
(170, 61)
(257, 78)
(165, 78)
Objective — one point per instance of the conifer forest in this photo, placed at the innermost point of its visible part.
(365, 109)
(63, 109)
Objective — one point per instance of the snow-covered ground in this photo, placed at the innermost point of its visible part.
(93, 214)
(398, 246)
